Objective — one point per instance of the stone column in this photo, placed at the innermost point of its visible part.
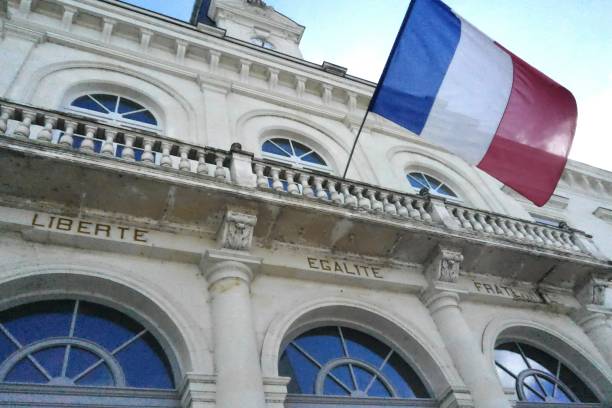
(593, 317)
(442, 300)
(239, 378)
(599, 330)
(229, 272)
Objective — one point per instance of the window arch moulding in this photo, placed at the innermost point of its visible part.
(60, 83)
(565, 349)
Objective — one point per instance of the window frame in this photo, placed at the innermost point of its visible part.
(456, 199)
(109, 117)
(293, 160)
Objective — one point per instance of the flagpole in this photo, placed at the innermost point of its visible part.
(348, 163)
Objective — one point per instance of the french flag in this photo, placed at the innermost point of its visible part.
(452, 85)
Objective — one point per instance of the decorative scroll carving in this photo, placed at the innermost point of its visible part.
(445, 265)
(236, 231)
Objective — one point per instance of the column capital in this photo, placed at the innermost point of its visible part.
(592, 291)
(589, 319)
(218, 265)
(198, 390)
(436, 300)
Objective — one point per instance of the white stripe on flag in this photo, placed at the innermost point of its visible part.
(472, 98)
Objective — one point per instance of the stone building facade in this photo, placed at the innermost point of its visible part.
(175, 232)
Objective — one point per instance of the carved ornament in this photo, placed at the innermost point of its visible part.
(236, 231)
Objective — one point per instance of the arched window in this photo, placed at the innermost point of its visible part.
(262, 42)
(331, 362)
(420, 180)
(118, 109)
(297, 154)
(539, 377)
(79, 344)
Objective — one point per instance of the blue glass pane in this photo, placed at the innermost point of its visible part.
(126, 105)
(446, 191)
(364, 347)
(25, 372)
(530, 396)
(286, 370)
(511, 360)
(78, 140)
(145, 364)
(85, 102)
(304, 371)
(531, 382)
(270, 147)
(7, 347)
(343, 374)
(378, 389)
(433, 182)
(109, 101)
(506, 379)
(417, 181)
(104, 326)
(578, 387)
(363, 377)
(322, 343)
(144, 117)
(404, 380)
(300, 149)
(78, 361)
(39, 320)
(314, 158)
(330, 387)
(561, 396)
(51, 359)
(98, 377)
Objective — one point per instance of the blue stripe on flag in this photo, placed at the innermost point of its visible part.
(420, 57)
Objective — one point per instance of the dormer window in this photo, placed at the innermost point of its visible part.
(262, 42)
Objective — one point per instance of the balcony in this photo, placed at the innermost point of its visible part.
(57, 162)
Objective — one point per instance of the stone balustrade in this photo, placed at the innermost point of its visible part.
(80, 135)
(345, 193)
(87, 136)
(519, 230)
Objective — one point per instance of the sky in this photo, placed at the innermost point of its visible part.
(568, 40)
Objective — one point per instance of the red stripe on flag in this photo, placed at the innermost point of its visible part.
(533, 139)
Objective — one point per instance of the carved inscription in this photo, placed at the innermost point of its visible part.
(515, 293)
(94, 229)
(344, 267)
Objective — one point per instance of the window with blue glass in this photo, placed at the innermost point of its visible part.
(117, 109)
(79, 343)
(420, 180)
(539, 377)
(342, 362)
(296, 153)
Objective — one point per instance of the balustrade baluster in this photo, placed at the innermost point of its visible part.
(128, 149)
(472, 219)
(166, 160)
(503, 224)
(6, 113)
(219, 170)
(513, 225)
(66, 140)
(202, 166)
(526, 234)
(362, 202)
(411, 206)
(277, 184)
(539, 230)
(482, 220)
(87, 145)
(292, 187)
(350, 200)
(306, 189)
(460, 214)
(376, 205)
(420, 206)
(388, 207)
(495, 224)
(334, 195)
(400, 209)
(147, 153)
(184, 163)
(547, 232)
(46, 133)
(321, 194)
(107, 145)
(531, 231)
(22, 130)
(567, 237)
(262, 180)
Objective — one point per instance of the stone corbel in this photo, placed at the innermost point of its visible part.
(214, 57)
(68, 17)
(245, 70)
(444, 265)
(300, 85)
(236, 231)
(592, 292)
(107, 29)
(181, 50)
(145, 39)
(273, 78)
